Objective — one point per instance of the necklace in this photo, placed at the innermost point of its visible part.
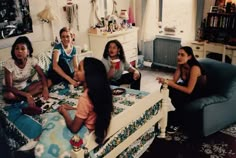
(21, 65)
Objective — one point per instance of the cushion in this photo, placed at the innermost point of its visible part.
(221, 74)
(20, 128)
(44, 61)
(201, 103)
(54, 140)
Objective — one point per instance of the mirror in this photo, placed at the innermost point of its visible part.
(104, 8)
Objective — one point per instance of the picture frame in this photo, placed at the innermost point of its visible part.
(214, 9)
(15, 18)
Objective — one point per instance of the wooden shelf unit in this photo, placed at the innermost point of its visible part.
(220, 27)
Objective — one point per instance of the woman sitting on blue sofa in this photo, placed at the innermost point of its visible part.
(188, 83)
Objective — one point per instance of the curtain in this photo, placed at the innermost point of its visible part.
(200, 7)
(147, 22)
(94, 16)
(131, 12)
(149, 25)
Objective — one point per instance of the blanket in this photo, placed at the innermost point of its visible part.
(55, 138)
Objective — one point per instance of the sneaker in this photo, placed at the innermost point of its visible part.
(172, 129)
(30, 145)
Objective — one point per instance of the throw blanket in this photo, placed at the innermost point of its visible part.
(19, 128)
(54, 140)
(55, 137)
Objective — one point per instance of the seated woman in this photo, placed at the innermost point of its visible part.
(64, 60)
(94, 110)
(188, 83)
(18, 73)
(115, 70)
(19, 87)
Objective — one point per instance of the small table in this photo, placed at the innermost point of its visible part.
(220, 49)
(216, 48)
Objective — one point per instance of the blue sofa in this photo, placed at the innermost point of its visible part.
(217, 109)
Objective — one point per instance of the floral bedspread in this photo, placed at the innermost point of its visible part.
(55, 137)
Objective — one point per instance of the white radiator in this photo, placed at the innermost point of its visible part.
(166, 50)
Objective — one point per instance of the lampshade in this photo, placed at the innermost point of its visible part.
(46, 14)
(124, 15)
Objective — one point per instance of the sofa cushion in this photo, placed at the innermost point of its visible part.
(200, 103)
(221, 77)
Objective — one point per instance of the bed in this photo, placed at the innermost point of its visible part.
(130, 133)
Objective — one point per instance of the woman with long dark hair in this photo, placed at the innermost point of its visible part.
(95, 105)
(188, 83)
(114, 52)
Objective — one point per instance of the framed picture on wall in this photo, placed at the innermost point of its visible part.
(15, 18)
(214, 9)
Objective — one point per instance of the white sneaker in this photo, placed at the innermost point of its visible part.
(30, 145)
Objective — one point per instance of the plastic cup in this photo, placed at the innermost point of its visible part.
(116, 62)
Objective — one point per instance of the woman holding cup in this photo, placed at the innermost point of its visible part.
(115, 63)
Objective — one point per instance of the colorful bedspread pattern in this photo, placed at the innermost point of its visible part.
(125, 132)
(54, 140)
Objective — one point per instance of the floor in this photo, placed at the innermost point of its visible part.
(149, 75)
(222, 144)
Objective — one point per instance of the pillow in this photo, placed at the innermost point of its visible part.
(54, 141)
(19, 128)
(44, 61)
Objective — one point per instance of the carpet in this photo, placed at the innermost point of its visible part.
(222, 144)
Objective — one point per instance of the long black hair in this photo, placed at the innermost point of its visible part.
(193, 61)
(22, 40)
(121, 53)
(100, 93)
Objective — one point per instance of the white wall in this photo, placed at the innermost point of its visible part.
(171, 16)
(44, 31)
(182, 15)
(207, 7)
